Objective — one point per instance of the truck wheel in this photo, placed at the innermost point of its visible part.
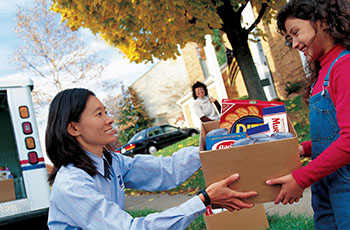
(152, 149)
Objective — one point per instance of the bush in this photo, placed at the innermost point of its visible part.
(293, 87)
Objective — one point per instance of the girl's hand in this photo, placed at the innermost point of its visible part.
(301, 150)
(290, 192)
(222, 196)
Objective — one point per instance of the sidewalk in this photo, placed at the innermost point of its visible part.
(162, 202)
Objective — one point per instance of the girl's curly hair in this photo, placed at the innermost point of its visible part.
(335, 14)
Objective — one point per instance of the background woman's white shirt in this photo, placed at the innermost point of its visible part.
(203, 107)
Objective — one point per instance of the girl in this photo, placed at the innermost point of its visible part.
(88, 180)
(320, 29)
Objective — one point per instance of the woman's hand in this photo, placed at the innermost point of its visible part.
(211, 99)
(222, 196)
(290, 192)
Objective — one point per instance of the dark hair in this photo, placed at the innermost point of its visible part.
(197, 85)
(335, 13)
(61, 147)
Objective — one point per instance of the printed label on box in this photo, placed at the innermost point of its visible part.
(276, 118)
(223, 141)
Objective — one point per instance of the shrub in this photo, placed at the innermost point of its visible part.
(293, 87)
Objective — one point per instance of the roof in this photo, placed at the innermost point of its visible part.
(15, 81)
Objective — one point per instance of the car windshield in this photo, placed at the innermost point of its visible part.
(138, 136)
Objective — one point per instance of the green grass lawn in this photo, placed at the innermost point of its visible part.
(298, 112)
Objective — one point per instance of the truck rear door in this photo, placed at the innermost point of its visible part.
(21, 152)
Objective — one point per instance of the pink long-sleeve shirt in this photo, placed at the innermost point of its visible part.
(338, 153)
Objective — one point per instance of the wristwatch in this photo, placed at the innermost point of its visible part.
(207, 200)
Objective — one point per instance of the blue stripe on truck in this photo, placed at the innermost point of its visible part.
(30, 167)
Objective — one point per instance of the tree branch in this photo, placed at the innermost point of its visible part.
(258, 19)
(241, 8)
(32, 67)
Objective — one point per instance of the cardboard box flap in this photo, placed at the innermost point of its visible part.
(205, 128)
(252, 219)
(291, 127)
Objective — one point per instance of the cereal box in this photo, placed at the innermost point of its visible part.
(239, 115)
(276, 118)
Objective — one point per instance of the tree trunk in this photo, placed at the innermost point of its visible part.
(246, 64)
(238, 38)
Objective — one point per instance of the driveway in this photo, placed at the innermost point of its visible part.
(162, 202)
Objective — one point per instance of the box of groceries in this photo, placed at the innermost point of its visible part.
(264, 149)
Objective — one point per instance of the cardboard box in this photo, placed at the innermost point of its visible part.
(255, 163)
(250, 219)
(7, 190)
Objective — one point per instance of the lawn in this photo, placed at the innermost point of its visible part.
(298, 112)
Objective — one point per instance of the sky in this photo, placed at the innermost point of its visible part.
(117, 66)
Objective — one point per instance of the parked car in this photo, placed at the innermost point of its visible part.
(150, 140)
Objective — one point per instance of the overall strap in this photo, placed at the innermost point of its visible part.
(326, 79)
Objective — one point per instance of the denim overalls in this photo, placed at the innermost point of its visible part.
(331, 195)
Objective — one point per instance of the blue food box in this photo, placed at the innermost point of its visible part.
(223, 141)
(259, 129)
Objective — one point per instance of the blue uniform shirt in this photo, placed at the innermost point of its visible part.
(79, 201)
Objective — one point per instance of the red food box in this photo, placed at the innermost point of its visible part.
(239, 115)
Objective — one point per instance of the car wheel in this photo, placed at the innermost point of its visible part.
(152, 149)
(192, 134)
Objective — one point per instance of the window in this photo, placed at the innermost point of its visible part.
(154, 132)
(169, 129)
(138, 136)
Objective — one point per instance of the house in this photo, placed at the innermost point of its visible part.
(166, 88)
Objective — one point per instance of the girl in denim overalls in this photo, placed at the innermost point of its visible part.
(320, 29)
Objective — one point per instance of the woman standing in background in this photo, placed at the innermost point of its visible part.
(202, 105)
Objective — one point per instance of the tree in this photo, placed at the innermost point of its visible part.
(148, 29)
(169, 94)
(49, 49)
(129, 113)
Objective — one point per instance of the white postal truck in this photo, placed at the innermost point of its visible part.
(26, 193)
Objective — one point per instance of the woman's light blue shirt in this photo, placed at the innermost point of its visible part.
(79, 201)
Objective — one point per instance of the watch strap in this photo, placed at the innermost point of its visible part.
(207, 200)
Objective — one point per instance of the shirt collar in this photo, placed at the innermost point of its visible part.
(98, 162)
(331, 55)
(204, 99)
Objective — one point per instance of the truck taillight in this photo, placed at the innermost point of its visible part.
(23, 111)
(30, 143)
(33, 158)
(27, 128)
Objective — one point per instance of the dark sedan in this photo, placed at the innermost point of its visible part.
(149, 140)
